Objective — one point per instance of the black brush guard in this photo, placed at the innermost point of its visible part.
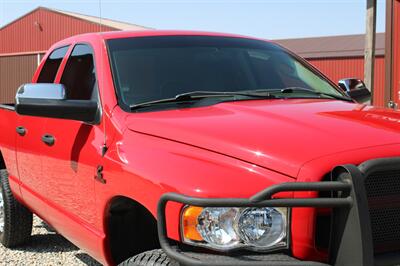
(351, 240)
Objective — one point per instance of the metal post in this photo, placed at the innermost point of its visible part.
(38, 59)
(369, 63)
(389, 37)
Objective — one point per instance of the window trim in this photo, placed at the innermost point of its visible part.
(96, 87)
(44, 60)
(120, 103)
(300, 59)
(68, 55)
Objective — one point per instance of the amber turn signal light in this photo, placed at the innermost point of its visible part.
(189, 223)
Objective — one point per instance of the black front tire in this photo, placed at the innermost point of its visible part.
(155, 257)
(17, 225)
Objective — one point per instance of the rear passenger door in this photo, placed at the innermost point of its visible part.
(29, 145)
(70, 163)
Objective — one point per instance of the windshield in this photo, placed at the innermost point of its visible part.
(148, 69)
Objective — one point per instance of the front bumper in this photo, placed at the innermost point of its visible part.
(351, 239)
(276, 259)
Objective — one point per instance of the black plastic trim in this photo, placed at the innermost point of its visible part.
(274, 259)
(81, 110)
(360, 95)
(351, 235)
(10, 107)
(261, 199)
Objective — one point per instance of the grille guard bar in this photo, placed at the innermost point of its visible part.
(351, 236)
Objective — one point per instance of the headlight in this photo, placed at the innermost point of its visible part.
(216, 226)
(263, 227)
(229, 228)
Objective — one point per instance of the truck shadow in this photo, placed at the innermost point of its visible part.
(46, 240)
(80, 140)
(86, 259)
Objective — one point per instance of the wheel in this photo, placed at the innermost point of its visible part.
(15, 219)
(155, 257)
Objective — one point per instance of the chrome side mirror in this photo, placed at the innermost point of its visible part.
(50, 100)
(43, 91)
(356, 89)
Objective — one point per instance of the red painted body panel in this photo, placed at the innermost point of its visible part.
(8, 138)
(340, 68)
(29, 151)
(8, 141)
(226, 150)
(249, 130)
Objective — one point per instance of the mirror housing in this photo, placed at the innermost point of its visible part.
(49, 100)
(356, 89)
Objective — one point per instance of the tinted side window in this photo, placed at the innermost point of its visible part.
(79, 76)
(50, 67)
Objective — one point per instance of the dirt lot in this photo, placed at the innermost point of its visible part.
(45, 248)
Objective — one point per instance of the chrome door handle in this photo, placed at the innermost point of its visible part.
(48, 139)
(21, 131)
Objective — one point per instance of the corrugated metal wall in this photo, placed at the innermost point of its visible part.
(396, 53)
(339, 68)
(15, 70)
(33, 33)
(38, 30)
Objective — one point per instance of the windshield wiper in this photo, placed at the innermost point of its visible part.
(198, 95)
(301, 89)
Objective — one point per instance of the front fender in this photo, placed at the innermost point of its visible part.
(144, 167)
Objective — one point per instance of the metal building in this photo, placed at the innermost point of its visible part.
(341, 57)
(24, 41)
(392, 77)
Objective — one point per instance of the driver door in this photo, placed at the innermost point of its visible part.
(70, 163)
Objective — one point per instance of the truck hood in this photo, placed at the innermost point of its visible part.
(281, 135)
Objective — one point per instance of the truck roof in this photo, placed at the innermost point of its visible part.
(144, 33)
(125, 34)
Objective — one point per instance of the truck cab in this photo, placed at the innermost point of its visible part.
(199, 148)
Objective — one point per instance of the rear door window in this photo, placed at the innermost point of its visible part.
(79, 76)
(50, 67)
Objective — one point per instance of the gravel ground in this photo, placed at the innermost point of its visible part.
(45, 248)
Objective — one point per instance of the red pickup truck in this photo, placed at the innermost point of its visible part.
(195, 148)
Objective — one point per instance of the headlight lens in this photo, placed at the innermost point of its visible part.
(228, 228)
(262, 227)
(216, 226)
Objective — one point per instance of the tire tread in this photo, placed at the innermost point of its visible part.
(155, 257)
(18, 219)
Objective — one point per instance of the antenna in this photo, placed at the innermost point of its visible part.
(100, 17)
(104, 147)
